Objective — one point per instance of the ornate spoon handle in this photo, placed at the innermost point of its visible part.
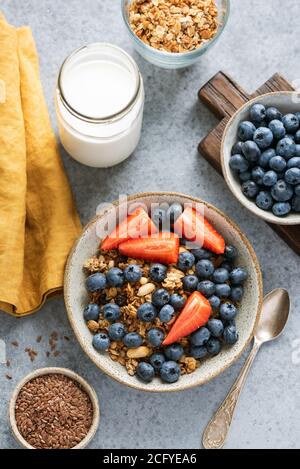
(217, 430)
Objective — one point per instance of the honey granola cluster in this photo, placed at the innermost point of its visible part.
(174, 25)
(130, 298)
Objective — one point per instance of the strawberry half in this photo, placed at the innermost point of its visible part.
(194, 315)
(195, 228)
(161, 247)
(135, 225)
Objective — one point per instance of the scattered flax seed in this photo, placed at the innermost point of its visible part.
(53, 412)
(8, 363)
(9, 377)
(31, 353)
(174, 25)
(56, 353)
(39, 339)
(67, 338)
(15, 343)
(47, 354)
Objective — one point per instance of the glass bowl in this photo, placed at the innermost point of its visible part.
(172, 60)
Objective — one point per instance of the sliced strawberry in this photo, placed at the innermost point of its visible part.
(194, 315)
(137, 224)
(161, 247)
(195, 228)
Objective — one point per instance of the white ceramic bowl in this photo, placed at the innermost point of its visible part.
(70, 374)
(76, 297)
(286, 102)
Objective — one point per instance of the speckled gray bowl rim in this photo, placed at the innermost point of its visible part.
(137, 197)
(266, 216)
(62, 371)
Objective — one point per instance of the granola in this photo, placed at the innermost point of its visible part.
(174, 25)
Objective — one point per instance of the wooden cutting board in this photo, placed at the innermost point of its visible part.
(224, 97)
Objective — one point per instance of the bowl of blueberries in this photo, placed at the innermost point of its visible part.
(261, 157)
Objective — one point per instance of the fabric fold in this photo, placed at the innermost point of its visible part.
(49, 221)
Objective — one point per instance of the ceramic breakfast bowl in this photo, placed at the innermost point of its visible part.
(76, 296)
(286, 102)
(62, 371)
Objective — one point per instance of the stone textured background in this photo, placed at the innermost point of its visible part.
(262, 37)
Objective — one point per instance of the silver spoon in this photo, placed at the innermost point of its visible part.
(274, 316)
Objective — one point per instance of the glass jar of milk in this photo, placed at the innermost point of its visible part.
(99, 105)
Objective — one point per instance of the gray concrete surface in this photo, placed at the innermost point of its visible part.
(262, 37)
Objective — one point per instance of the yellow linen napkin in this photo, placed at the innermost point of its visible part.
(38, 219)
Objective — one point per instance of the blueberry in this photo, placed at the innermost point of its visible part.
(158, 272)
(157, 360)
(95, 283)
(251, 151)
(266, 157)
(207, 288)
(286, 148)
(238, 163)
(237, 149)
(91, 312)
(245, 176)
(205, 268)
(297, 190)
(231, 253)
(263, 137)
(223, 290)
(160, 297)
(116, 331)
(282, 192)
(296, 203)
(198, 352)
(228, 311)
(272, 113)
(132, 273)
(294, 163)
(297, 135)
(227, 265)
(190, 283)
(174, 352)
(270, 178)
(291, 123)
(201, 254)
(166, 313)
(214, 302)
(200, 337)
(177, 301)
(160, 218)
(258, 113)
(277, 128)
(174, 212)
(250, 189)
(115, 277)
(278, 163)
(101, 342)
(186, 261)
(297, 154)
(292, 176)
(145, 372)
(220, 276)
(237, 294)
(264, 200)
(281, 209)
(238, 276)
(230, 335)
(258, 175)
(155, 337)
(170, 372)
(214, 346)
(147, 312)
(246, 131)
(111, 312)
(216, 328)
(132, 340)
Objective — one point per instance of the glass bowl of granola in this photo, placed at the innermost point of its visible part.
(163, 291)
(174, 34)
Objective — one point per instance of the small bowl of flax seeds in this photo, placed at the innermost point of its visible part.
(54, 408)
